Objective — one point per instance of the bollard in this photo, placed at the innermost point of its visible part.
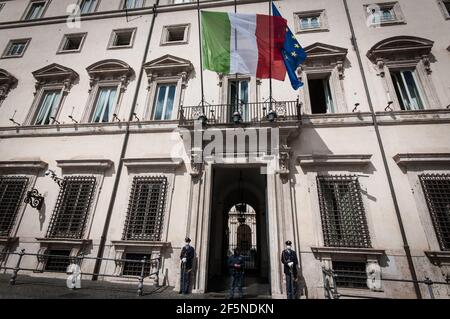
(141, 277)
(12, 281)
(429, 284)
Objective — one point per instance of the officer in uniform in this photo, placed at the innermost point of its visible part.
(290, 262)
(236, 266)
(187, 258)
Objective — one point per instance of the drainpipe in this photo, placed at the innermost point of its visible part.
(385, 163)
(101, 248)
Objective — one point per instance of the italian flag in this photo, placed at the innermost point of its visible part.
(243, 43)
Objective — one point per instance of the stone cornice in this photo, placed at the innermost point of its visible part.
(329, 252)
(410, 159)
(438, 258)
(23, 164)
(49, 241)
(101, 164)
(152, 162)
(139, 243)
(318, 160)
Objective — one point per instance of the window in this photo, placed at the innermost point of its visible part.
(122, 39)
(12, 191)
(16, 48)
(1, 6)
(320, 96)
(72, 43)
(58, 260)
(133, 268)
(176, 34)
(48, 107)
(72, 207)
(146, 209)
(35, 10)
(104, 104)
(133, 4)
(342, 211)
(407, 90)
(238, 93)
(381, 14)
(164, 102)
(311, 21)
(88, 6)
(181, 1)
(437, 194)
(350, 274)
(445, 7)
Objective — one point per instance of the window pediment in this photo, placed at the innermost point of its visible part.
(57, 74)
(168, 65)
(405, 47)
(110, 70)
(7, 82)
(324, 52)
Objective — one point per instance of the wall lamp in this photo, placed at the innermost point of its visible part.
(54, 120)
(355, 108)
(136, 117)
(72, 119)
(389, 106)
(53, 176)
(272, 116)
(115, 117)
(34, 199)
(12, 120)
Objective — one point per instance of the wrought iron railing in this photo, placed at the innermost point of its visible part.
(331, 283)
(245, 113)
(141, 268)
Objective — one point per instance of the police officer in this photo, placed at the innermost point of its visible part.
(290, 262)
(236, 266)
(187, 257)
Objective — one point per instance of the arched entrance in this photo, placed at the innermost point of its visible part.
(239, 220)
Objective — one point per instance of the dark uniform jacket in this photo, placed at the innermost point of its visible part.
(235, 260)
(188, 253)
(288, 256)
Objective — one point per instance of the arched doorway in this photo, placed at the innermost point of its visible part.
(239, 220)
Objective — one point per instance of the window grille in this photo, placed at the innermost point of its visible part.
(350, 274)
(58, 261)
(146, 208)
(131, 268)
(436, 188)
(72, 207)
(342, 211)
(12, 190)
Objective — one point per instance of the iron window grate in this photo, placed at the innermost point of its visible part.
(72, 207)
(58, 260)
(131, 268)
(350, 274)
(146, 208)
(342, 212)
(436, 188)
(12, 190)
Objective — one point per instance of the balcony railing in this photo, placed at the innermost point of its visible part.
(245, 113)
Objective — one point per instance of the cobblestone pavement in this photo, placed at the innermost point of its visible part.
(28, 287)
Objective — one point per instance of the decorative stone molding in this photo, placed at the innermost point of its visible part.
(110, 69)
(365, 253)
(154, 162)
(400, 47)
(7, 82)
(333, 160)
(55, 74)
(196, 162)
(440, 259)
(101, 164)
(20, 165)
(320, 54)
(169, 66)
(409, 159)
(76, 247)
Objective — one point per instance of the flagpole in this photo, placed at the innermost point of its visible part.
(236, 107)
(270, 59)
(201, 57)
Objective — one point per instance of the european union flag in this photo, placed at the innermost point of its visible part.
(293, 54)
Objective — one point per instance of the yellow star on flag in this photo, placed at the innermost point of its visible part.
(294, 54)
(296, 46)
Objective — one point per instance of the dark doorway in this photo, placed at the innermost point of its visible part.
(239, 220)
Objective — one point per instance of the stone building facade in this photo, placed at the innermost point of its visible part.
(357, 174)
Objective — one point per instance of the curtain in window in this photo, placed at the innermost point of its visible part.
(328, 96)
(164, 102)
(47, 107)
(104, 104)
(35, 11)
(88, 6)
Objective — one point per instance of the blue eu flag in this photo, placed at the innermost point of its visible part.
(293, 54)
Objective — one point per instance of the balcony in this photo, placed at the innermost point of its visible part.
(248, 114)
